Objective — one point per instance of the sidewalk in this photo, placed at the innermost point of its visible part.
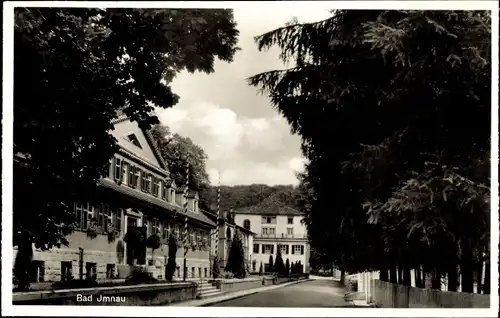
(229, 296)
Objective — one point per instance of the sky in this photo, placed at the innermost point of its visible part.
(246, 140)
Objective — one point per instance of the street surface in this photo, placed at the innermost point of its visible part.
(315, 293)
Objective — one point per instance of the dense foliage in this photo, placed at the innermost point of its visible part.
(279, 266)
(235, 260)
(239, 196)
(76, 67)
(177, 151)
(171, 264)
(393, 108)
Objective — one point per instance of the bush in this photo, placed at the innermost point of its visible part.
(140, 275)
(261, 269)
(171, 265)
(227, 275)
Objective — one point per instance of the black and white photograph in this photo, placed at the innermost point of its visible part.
(279, 158)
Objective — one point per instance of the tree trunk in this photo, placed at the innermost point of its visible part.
(342, 276)
(400, 275)
(480, 277)
(487, 283)
(407, 276)
(436, 280)
(393, 275)
(418, 277)
(467, 268)
(384, 274)
(453, 278)
(467, 276)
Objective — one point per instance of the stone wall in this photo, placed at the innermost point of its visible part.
(232, 285)
(138, 295)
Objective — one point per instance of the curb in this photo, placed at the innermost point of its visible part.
(210, 302)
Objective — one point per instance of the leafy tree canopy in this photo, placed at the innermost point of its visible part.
(393, 108)
(177, 151)
(74, 69)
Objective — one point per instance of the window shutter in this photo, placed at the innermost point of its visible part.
(141, 176)
(293, 249)
(302, 249)
(263, 249)
(287, 249)
(272, 249)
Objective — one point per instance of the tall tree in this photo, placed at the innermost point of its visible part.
(177, 151)
(279, 265)
(76, 66)
(414, 132)
(235, 260)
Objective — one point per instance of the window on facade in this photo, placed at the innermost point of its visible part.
(103, 216)
(283, 249)
(268, 231)
(269, 220)
(148, 183)
(206, 272)
(268, 249)
(289, 230)
(124, 172)
(133, 139)
(246, 224)
(298, 249)
(118, 169)
(156, 226)
(191, 235)
(84, 213)
(166, 230)
(91, 271)
(66, 270)
(110, 271)
(164, 192)
(172, 196)
(131, 175)
(117, 219)
(290, 220)
(37, 271)
(256, 248)
(192, 272)
(137, 177)
(156, 186)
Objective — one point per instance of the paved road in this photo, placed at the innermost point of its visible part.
(315, 293)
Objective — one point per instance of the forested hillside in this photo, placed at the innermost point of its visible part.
(234, 197)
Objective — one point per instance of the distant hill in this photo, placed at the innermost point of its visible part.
(235, 197)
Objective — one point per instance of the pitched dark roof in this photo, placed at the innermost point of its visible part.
(107, 183)
(272, 205)
(212, 216)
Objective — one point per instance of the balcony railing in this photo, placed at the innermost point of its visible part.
(281, 236)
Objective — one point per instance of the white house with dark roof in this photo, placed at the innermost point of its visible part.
(137, 191)
(275, 225)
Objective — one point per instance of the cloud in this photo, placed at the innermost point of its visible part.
(242, 134)
(244, 150)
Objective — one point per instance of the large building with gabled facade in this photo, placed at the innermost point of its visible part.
(138, 192)
(276, 226)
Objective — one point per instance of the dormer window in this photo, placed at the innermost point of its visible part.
(133, 139)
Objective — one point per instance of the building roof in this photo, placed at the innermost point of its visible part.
(149, 137)
(272, 205)
(107, 183)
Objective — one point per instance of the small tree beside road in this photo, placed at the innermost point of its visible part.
(279, 266)
(287, 267)
(271, 263)
(235, 261)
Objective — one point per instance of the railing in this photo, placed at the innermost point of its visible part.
(283, 236)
